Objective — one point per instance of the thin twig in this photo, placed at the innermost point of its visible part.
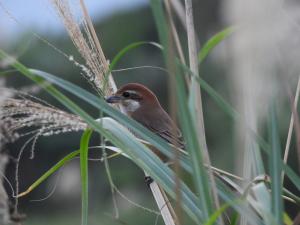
(174, 31)
(164, 206)
(179, 10)
(291, 126)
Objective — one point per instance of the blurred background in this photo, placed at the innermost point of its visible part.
(118, 23)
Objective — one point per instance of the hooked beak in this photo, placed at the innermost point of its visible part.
(113, 99)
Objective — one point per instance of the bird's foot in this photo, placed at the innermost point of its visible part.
(148, 180)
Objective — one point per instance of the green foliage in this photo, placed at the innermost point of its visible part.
(275, 169)
(49, 172)
(213, 42)
(84, 147)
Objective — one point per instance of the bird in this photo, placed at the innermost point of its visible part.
(142, 105)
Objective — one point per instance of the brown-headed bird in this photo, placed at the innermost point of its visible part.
(142, 105)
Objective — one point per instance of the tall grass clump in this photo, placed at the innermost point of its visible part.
(259, 64)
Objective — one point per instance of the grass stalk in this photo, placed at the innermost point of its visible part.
(196, 100)
(291, 127)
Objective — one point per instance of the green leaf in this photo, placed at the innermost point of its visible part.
(128, 48)
(243, 208)
(275, 168)
(214, 217)
(121, 54)
(234, 218)
(213, 42)
(145, 158)
(199, 173)
(52, 170)
(84, 147)
(189, 131)
(7, 72)
(262, 195)
(287, 220)
(160, 21)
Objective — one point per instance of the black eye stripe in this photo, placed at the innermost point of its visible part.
(126, 94)
(135, 96)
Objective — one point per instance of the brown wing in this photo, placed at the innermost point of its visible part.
(160, 124)
(174, 138)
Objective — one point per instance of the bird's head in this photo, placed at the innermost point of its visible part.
(134, 96)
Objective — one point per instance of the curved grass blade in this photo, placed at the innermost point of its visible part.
(200, 177)
(189, 131)
(287, 220)
(121, 53)
(84, 147)
(128, 48)
(52, 170)
(213, 42)
(133, 149)
(275, 168)
(7, 72)
(234, 218)
(214, 217)
(243, 208)
(60, 164)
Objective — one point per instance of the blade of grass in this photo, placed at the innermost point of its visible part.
(160, 21)
(227, 195)
(84, 147)
(263, 197)
(128, 48)
(196, 112)
(201, 182)
(275, 168)
(121, 54)
(52, 170)
(134, 149)
(286, 219)
(193, 147)
(234, 218)
(214, 217)
(213, 42)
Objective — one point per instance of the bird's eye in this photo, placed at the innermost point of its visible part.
(126, 94)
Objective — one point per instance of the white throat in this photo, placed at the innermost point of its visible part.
(131, 105)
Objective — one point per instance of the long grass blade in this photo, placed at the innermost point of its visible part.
(189, 132)
(214, 217)
(275, 168)
(84, 147)
(213, 42)
(52, 170)
(187, 125)
(128, 48)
